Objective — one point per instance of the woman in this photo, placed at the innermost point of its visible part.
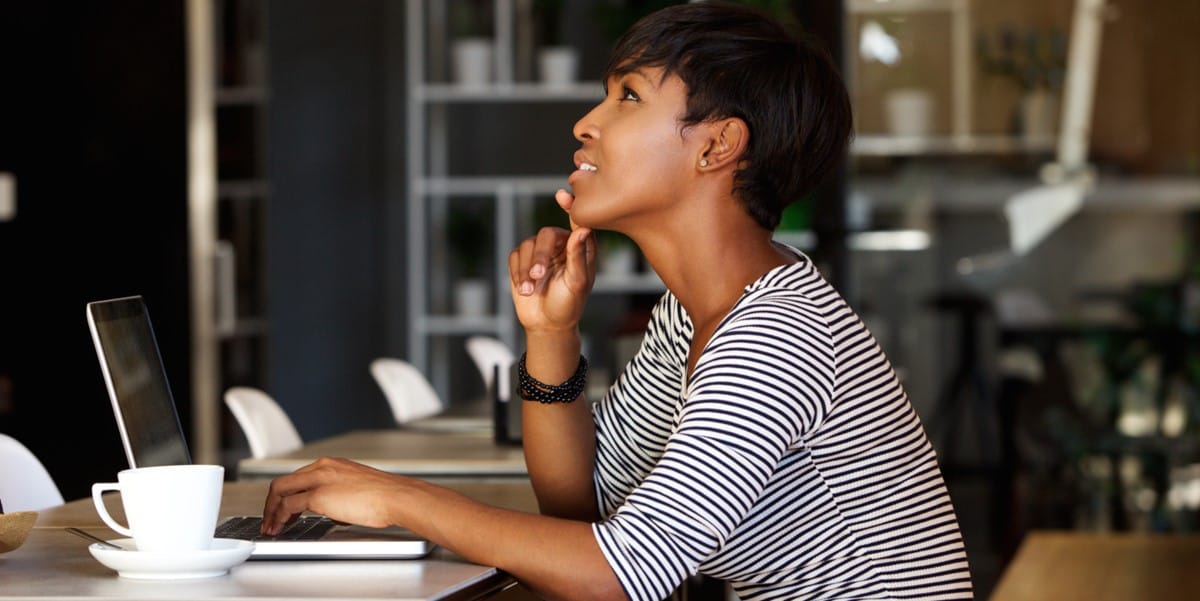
(759, 435)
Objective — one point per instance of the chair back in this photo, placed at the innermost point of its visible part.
(492, 356)
(409, 393)
(267, 427)
(25, 485)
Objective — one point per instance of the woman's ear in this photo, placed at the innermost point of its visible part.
(726, 146)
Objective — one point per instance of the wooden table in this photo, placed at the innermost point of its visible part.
(56, 564)
(1062, 566)
(442, 456)
(246, 498)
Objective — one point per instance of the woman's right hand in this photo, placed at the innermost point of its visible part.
(551, 274)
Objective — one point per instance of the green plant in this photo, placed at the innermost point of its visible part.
(471, 18)
(617, 16)
(547, 213)
(618, 252)
(780, 10)
(469, 235)
(548, 15)
(614, 241)
(1033, 58)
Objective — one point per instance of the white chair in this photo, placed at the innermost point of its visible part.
(488, 354)
(25, 485)
(267, 427)
(408, 392)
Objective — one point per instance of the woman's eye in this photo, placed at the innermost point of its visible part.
(630, 95)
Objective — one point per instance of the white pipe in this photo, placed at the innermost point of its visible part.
(1079, 88)
(202, 230)
(961, 63)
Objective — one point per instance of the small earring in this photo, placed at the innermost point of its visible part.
(703, 162)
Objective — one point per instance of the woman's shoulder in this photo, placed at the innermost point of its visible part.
(798, 285)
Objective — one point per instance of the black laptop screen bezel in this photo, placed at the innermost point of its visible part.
(137, 383)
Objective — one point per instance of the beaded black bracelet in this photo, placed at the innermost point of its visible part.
(531, 389)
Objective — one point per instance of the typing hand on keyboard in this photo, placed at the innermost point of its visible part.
(248, 527)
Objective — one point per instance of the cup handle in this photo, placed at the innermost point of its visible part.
(97, 490)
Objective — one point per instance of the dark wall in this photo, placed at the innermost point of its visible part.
(328, 227)
(92, 123)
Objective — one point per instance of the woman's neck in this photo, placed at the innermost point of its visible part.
(708, 266)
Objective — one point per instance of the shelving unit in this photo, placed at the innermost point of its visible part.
(227, 196)
(879, 145)
(432, 326)
(240, 102)
(960, 49)
(962, 139)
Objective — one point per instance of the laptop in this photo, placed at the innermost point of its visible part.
(151, 434)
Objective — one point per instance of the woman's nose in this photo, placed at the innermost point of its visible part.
(586, 128)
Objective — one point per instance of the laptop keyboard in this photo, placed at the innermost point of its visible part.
(247, 528)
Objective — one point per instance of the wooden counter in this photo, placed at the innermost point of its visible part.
(423, 454)
(1062, 566)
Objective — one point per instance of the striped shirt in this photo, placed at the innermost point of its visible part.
(791, 464)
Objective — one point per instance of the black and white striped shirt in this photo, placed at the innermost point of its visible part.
(791, 465)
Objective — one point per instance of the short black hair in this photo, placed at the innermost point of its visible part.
(737, 61)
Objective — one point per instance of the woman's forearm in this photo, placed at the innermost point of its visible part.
(559, 438)
(556, 558)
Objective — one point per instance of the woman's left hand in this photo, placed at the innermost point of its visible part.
(338, 488)
(552, 273)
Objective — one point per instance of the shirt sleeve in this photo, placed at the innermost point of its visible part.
(764, 379)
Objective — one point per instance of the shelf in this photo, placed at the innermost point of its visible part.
(246, 327)
(880, 241)
(888, 241)
(884, 145)
(459, 324)
(587, 91)
(802, 239)
(243, 189)
(869, 7)
(962, 193)
(865, 241)
(489, 185)
(241, 95)
(627, 283)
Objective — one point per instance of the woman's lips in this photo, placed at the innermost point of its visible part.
(582, 167)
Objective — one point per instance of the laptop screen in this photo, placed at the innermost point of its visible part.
(137, 382)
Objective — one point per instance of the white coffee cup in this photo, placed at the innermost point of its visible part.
(169, 507)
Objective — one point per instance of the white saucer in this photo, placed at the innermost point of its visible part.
(216, 561)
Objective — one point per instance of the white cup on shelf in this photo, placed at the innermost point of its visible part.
(558, 66)
(170, 508)
(472, 62)
(909, 112)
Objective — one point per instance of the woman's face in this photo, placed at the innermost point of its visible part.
(636, 158)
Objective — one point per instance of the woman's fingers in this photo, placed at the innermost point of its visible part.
(514, 267)
(580, 259)
(285, 493)
(548, 250)
(537, 257)
(288, 495)
(524, 260)
(342, 489)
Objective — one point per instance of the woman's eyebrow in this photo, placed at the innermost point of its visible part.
(640, 73)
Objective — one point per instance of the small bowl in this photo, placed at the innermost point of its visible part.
(14, 528)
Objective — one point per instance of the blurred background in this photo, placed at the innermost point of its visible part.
(299, 187)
